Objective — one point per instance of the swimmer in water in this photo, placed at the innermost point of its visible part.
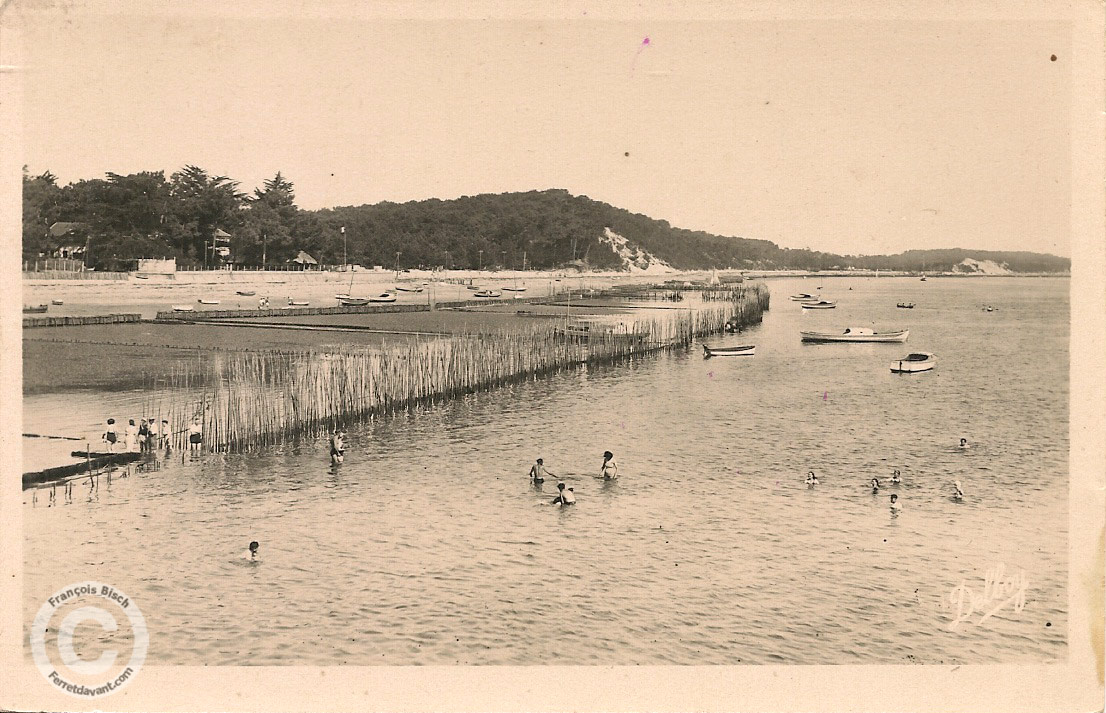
(895, 479)
(896, 508)
(875, 485)
(538, 472)
(964, 443)
(959, 494)
(565, 496)
(610, 467)
(811, 479)
(251, 555)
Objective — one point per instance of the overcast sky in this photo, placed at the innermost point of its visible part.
(845, 136)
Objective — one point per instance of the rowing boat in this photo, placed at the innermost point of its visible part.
(857, 334)
(748, 350)
(820, 304)
(913, 363)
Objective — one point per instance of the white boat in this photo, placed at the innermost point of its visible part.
(748, 350)
(488, 293)
(297, 303)
(347, 301)
(802, 296)
(905, 305)
(207, 302)
(820, 304)
(245, 293)
(183, 308)
(383, 297)
(401, 288)
(57, 302)
(514, 289)
(474, 288)
(856, 334)
(913, 363)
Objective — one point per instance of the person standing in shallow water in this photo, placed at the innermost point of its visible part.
(195, 434)
(337, 447)
(251, 553)
(538, 472)
(610, 467)
(896, 507)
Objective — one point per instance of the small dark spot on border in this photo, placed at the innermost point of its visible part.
(626, 154)
(1053, 58)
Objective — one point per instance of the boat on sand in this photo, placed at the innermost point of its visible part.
(856, 334)
(383, 297)
(913, 363)
(488, 293)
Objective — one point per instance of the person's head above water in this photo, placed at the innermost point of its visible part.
(111, 420)
(607, 455)
(254, 546)
(894, 497)
(132, 421)
(560, 486)
(963, 441)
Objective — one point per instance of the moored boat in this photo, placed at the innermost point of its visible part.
(347, 301)
(857, 334)
(57, 302)
(383, 297)
(820, 304)
(246, 293)
(35, 309)
(183, 308)
(913, 363)
(803, 296)
(747, 350)
(488, 293)
(514, 289)
(405, 288)
(474, 288)
(207, 302)
(905, 305)
(297, 303)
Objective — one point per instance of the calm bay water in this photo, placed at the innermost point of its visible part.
(429, 546)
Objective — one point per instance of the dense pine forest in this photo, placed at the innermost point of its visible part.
(203, 219)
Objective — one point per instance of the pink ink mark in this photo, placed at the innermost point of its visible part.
(825, 395)
(710, 374)
(641, 48)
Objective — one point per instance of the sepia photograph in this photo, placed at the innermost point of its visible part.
(533, 345)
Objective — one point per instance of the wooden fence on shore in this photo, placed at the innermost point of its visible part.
(76, 321)
(252, 400)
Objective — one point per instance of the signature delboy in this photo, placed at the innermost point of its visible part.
(999, 590)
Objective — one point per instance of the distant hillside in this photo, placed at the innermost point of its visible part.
(202, 219)
(554, 228)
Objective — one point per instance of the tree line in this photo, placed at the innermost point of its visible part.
(120, 218)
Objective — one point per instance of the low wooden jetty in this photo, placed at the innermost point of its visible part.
(90, 464)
